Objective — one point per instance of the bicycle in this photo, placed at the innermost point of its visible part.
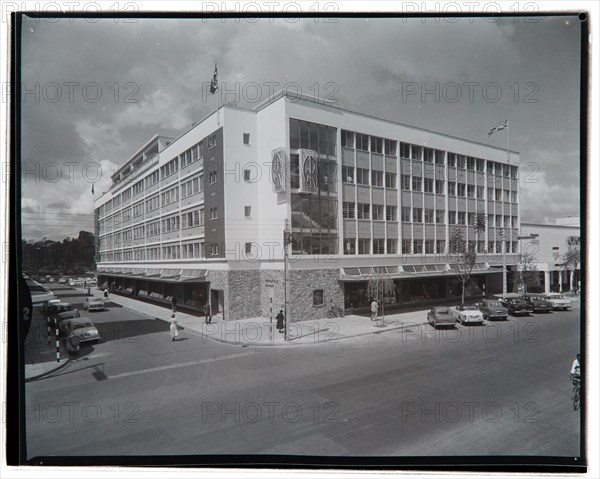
(335, 311)
(576, 392)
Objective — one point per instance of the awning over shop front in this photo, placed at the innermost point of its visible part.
(405, 271)
(167, 274)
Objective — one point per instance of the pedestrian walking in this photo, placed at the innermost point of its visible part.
(280, 318)
(207, 315)
(174, 304)
(374, 310)
(106, 294)
(173, 327)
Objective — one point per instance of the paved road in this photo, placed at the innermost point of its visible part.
(501, 388)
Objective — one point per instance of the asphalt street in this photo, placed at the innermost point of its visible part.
(497, 389)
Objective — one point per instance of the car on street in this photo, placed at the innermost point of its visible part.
(516, 306)
(56, 308)
(467, 313)
(440, 316)
(62, 281)
(492, 310)
(557, 300)
(537, 304)
(77, 331)
(93, 304)
(60, 317)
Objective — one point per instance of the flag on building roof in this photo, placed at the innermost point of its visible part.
(501, 126)
(92, 188)
(214, 84)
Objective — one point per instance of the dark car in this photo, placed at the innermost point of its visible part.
(56, 308)
(492, 309)
(77, 331)
(538, 304)
(516, 306)
(441, 316)
(67, 315)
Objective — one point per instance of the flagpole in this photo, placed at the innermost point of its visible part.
(218, 93)
(508, 140)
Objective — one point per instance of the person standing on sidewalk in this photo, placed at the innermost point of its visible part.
(280, 318)
(374, 310)
(106, 294)
(174, 304)
(207, 316)
(173, 327)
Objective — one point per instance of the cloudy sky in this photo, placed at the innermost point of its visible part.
(97, 91)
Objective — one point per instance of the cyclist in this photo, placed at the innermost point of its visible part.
(576, 369)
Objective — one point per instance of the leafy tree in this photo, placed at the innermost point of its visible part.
(572, 258)
(528, 271)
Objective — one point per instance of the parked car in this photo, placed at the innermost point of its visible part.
(56, 308)
(440, 316)
(492, 309)
(60, 317)
(516, 306)
(93, 304)
(77, 331)
(557, 300)
(468, 313)
(538, 304)
(62, 280)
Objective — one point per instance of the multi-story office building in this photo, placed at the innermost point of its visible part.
(202, 217)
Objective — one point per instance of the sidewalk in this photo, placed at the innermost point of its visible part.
(40, 354)
(262, 332)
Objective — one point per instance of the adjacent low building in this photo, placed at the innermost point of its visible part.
(551, 246)
(201, 217)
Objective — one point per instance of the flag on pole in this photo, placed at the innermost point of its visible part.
(92, 188)
(501, 126)
(214, 84)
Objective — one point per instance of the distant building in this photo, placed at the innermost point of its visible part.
(568, 221)
(201, 217)
(548, 250)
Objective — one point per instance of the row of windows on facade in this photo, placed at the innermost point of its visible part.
(418, 246)
(352, 246)
(367, 211)
(189, 219)
(428, 185)
(186, 158)
(170, 196)
(185, 251)
(374, 144)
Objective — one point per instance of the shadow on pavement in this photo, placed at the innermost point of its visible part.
(127, 330)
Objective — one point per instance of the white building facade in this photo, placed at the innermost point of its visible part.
(201, 217)
(548, 250)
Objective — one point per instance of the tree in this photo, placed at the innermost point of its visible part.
(572, 258)
(380, 287)
(463, 256)
(528, 271)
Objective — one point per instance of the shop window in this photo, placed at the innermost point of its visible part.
(318, 297)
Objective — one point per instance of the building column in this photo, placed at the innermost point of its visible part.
(547, 276)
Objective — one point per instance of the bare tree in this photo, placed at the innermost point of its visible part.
(463, 256)
(379, 287)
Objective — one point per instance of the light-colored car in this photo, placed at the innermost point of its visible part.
(440, 316)
(62, 280)
(468, 313)
(558, 300)
(93, 304)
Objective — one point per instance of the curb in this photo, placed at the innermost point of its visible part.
(47, 373)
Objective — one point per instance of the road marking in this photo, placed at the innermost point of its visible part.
(178, 365)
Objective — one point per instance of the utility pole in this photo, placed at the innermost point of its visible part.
(287, 239)
(504, 282)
